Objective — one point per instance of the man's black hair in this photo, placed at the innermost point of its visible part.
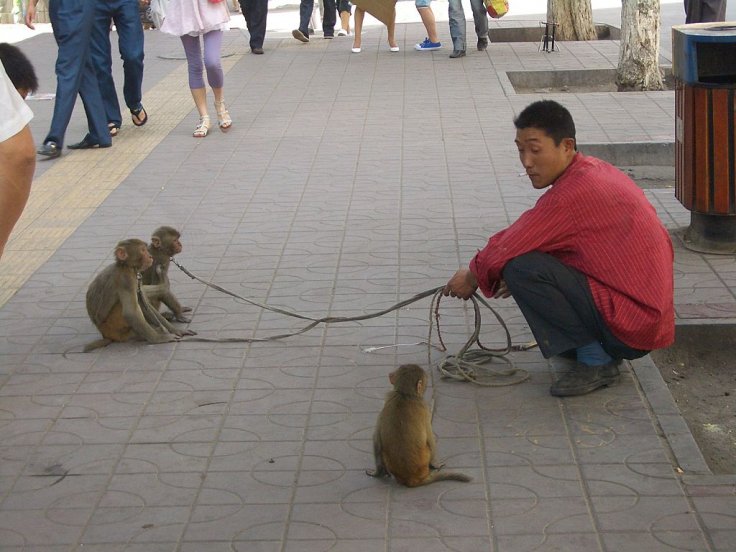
(549, 116)
(18, 67)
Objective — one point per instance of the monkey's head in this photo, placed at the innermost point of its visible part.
(409, 380)
(134, 254)
(166, 239)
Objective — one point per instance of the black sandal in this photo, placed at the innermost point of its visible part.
(113, 128)
(136, 116)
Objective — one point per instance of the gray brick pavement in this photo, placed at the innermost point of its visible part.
(347, 183)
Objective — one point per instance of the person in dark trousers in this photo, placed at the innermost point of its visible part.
(705, 11)
(125, 15)
(590, 265)
(71, 22)
(329, 18)
(255, 13)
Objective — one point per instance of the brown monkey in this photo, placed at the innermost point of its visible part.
(117, 306)
(403, 442)
(165, 244)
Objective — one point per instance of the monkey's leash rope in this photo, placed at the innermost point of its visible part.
(467, 364)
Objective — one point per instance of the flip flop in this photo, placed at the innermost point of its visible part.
(136, 116)
(113, 127)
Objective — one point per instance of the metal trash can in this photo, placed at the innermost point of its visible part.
(704, 68)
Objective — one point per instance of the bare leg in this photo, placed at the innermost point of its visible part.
(357, 31)
(345, 21)
(223, 116)
(427, 16)
(200, 100)
(392, 35)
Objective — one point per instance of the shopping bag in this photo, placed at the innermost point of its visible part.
(496, 8)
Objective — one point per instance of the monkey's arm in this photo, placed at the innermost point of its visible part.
(175, 307)
(134, 316)
(154, 317)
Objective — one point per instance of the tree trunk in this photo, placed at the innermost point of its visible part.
(638, 61)
(574, 19)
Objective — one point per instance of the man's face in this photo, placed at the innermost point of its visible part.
(542, 159)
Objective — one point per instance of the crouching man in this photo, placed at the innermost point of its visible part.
(590, 265)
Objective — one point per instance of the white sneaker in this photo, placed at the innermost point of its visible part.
(342, 32)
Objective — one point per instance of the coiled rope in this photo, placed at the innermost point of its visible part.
(468, 364)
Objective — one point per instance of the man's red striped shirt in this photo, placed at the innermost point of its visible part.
(596, 220)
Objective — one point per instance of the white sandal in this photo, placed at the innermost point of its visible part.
(203, 128)
(223, 117)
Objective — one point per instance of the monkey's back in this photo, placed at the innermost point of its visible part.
(103, 303)
(402, 432)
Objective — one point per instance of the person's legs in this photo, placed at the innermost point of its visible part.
(255, 12)
(71, 22)
(358, 30)
(556, 302)
(713, 10)
(215, 76)
(558, 305)
(429, 22)
(195, 67)
(130, 44)
(101, 56)
(391, 35)
(329, 18)
(344, 9)
(480, 18)
(212, 59)
(456, 16)
(305, 12)
(89, 91)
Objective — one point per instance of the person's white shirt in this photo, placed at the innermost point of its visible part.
(14, 112)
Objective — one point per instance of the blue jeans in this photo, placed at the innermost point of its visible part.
(328, 17)
(127, 20)
(456, 15)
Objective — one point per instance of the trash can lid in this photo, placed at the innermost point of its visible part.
(716, 31)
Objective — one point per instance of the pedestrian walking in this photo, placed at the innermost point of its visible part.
(255, 13)
(126, 17)
(71, 23)
(200, 25)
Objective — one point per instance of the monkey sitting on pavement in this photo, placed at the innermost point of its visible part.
(117, 306)
(403, 442)
(164, 245)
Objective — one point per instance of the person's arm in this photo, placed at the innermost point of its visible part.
(17, 164)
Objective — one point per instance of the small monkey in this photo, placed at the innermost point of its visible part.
(165, 244)
(117, 306)
(403, 442)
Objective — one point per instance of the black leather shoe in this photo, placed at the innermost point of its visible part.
(583, 379)
(258, 51)
(300, 36)
(457, 53)
(482, 44)
(50, 150)
(87, 143)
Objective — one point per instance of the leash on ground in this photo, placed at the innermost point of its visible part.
(467, 365)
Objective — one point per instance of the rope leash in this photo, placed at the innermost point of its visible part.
(467, 365)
